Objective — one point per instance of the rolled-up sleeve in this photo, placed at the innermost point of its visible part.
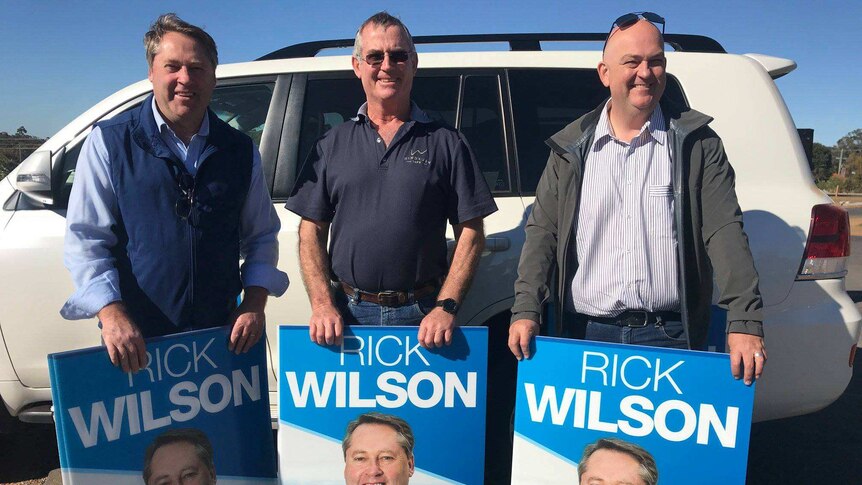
(259, 227)
(90, 219)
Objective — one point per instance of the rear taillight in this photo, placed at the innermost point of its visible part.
(828, 244)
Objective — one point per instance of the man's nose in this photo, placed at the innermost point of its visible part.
(643, 69)
(183, 75)
(387, 62)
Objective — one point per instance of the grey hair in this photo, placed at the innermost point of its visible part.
(647, 470)
(401, 427)
(192, 436)
(380, 19)
(169, 22)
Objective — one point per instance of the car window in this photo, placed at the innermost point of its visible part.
(482, 125)
(244, 107)
(330, 102)
(546, 100)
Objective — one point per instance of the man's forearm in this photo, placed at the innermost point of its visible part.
(470, 241)
(314, 261)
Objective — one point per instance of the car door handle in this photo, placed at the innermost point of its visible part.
(491, 244)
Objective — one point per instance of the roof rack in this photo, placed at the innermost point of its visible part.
(517, 42)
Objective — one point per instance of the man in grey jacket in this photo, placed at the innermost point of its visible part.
(636, 211)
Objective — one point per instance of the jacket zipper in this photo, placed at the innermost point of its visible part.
(676, 147)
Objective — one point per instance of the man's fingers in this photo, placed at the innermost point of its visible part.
(439, 337)
(447, 337)
(421, 336)
(142, 352)
(329, 332)
(339, 331)
(749, 369)
(759, 363)
(525, 343)
(736, 365)
(515, 345)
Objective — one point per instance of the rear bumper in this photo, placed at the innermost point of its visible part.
(809, 338)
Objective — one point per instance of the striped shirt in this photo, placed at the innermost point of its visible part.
(625, 232)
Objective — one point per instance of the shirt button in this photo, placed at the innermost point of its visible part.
(379, 140)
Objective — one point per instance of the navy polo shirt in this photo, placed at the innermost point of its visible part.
(389, 205)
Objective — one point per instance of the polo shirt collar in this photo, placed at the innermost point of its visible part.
(655, 126)
(416, 113)
(163, 125)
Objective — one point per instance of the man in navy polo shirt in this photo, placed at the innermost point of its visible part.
(388, 181)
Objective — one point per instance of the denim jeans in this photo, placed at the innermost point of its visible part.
(366, 313)
(667, 334)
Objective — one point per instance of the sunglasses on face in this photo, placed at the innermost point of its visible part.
(375, 59)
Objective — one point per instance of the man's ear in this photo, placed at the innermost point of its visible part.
(603, 73)
(355, 63)
(150, 74)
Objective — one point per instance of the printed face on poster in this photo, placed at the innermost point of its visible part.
(196, 410)
(432, 401)
(677, 414)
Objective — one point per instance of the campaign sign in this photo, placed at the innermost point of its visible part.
(682, 407)
(441, 393)
(193, 390)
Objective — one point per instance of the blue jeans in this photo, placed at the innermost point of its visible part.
(366, 313)
(667, 334)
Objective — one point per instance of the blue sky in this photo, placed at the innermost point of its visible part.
(58, 58)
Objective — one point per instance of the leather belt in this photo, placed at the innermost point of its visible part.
(388, 298)
(637, 318)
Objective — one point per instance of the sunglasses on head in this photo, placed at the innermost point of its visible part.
(375, 59)
(627, 19)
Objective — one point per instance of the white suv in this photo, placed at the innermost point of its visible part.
(506, 103)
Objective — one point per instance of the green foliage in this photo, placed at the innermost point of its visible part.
(821, 163)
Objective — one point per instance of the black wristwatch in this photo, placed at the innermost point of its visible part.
(449, 305)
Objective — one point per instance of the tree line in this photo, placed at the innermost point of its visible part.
(14, 148)
(839, 168)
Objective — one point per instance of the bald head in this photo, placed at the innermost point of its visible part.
(633, 67)
(642, 31)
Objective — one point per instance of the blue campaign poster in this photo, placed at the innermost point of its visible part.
(683, 408)
(440, 393)
(194, 395)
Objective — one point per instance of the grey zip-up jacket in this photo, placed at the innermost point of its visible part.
(707, 218)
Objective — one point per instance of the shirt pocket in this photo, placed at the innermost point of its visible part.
(660, 211)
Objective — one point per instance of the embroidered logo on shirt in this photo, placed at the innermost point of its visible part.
(418, 157)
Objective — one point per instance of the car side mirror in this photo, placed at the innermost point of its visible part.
(34, 177)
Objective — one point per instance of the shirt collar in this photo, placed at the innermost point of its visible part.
(655, 126)
(163, 125)
(416, 113)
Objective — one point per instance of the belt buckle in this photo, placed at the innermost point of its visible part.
(643, 323)
(388, 298)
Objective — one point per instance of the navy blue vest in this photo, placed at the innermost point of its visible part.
(175, 276)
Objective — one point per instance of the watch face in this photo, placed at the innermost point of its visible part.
(449, 305)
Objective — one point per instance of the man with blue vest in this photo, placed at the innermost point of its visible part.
(167, 199)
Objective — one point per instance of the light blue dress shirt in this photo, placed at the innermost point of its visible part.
(93, 211)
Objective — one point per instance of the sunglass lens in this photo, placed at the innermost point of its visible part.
(374, 59)
(398, 56)
(625, 20)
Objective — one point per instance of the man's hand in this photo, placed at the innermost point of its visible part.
(248, 320)
(436, 328)
(747, 356)
(122, 338)
(326, 326)
(521, 334)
